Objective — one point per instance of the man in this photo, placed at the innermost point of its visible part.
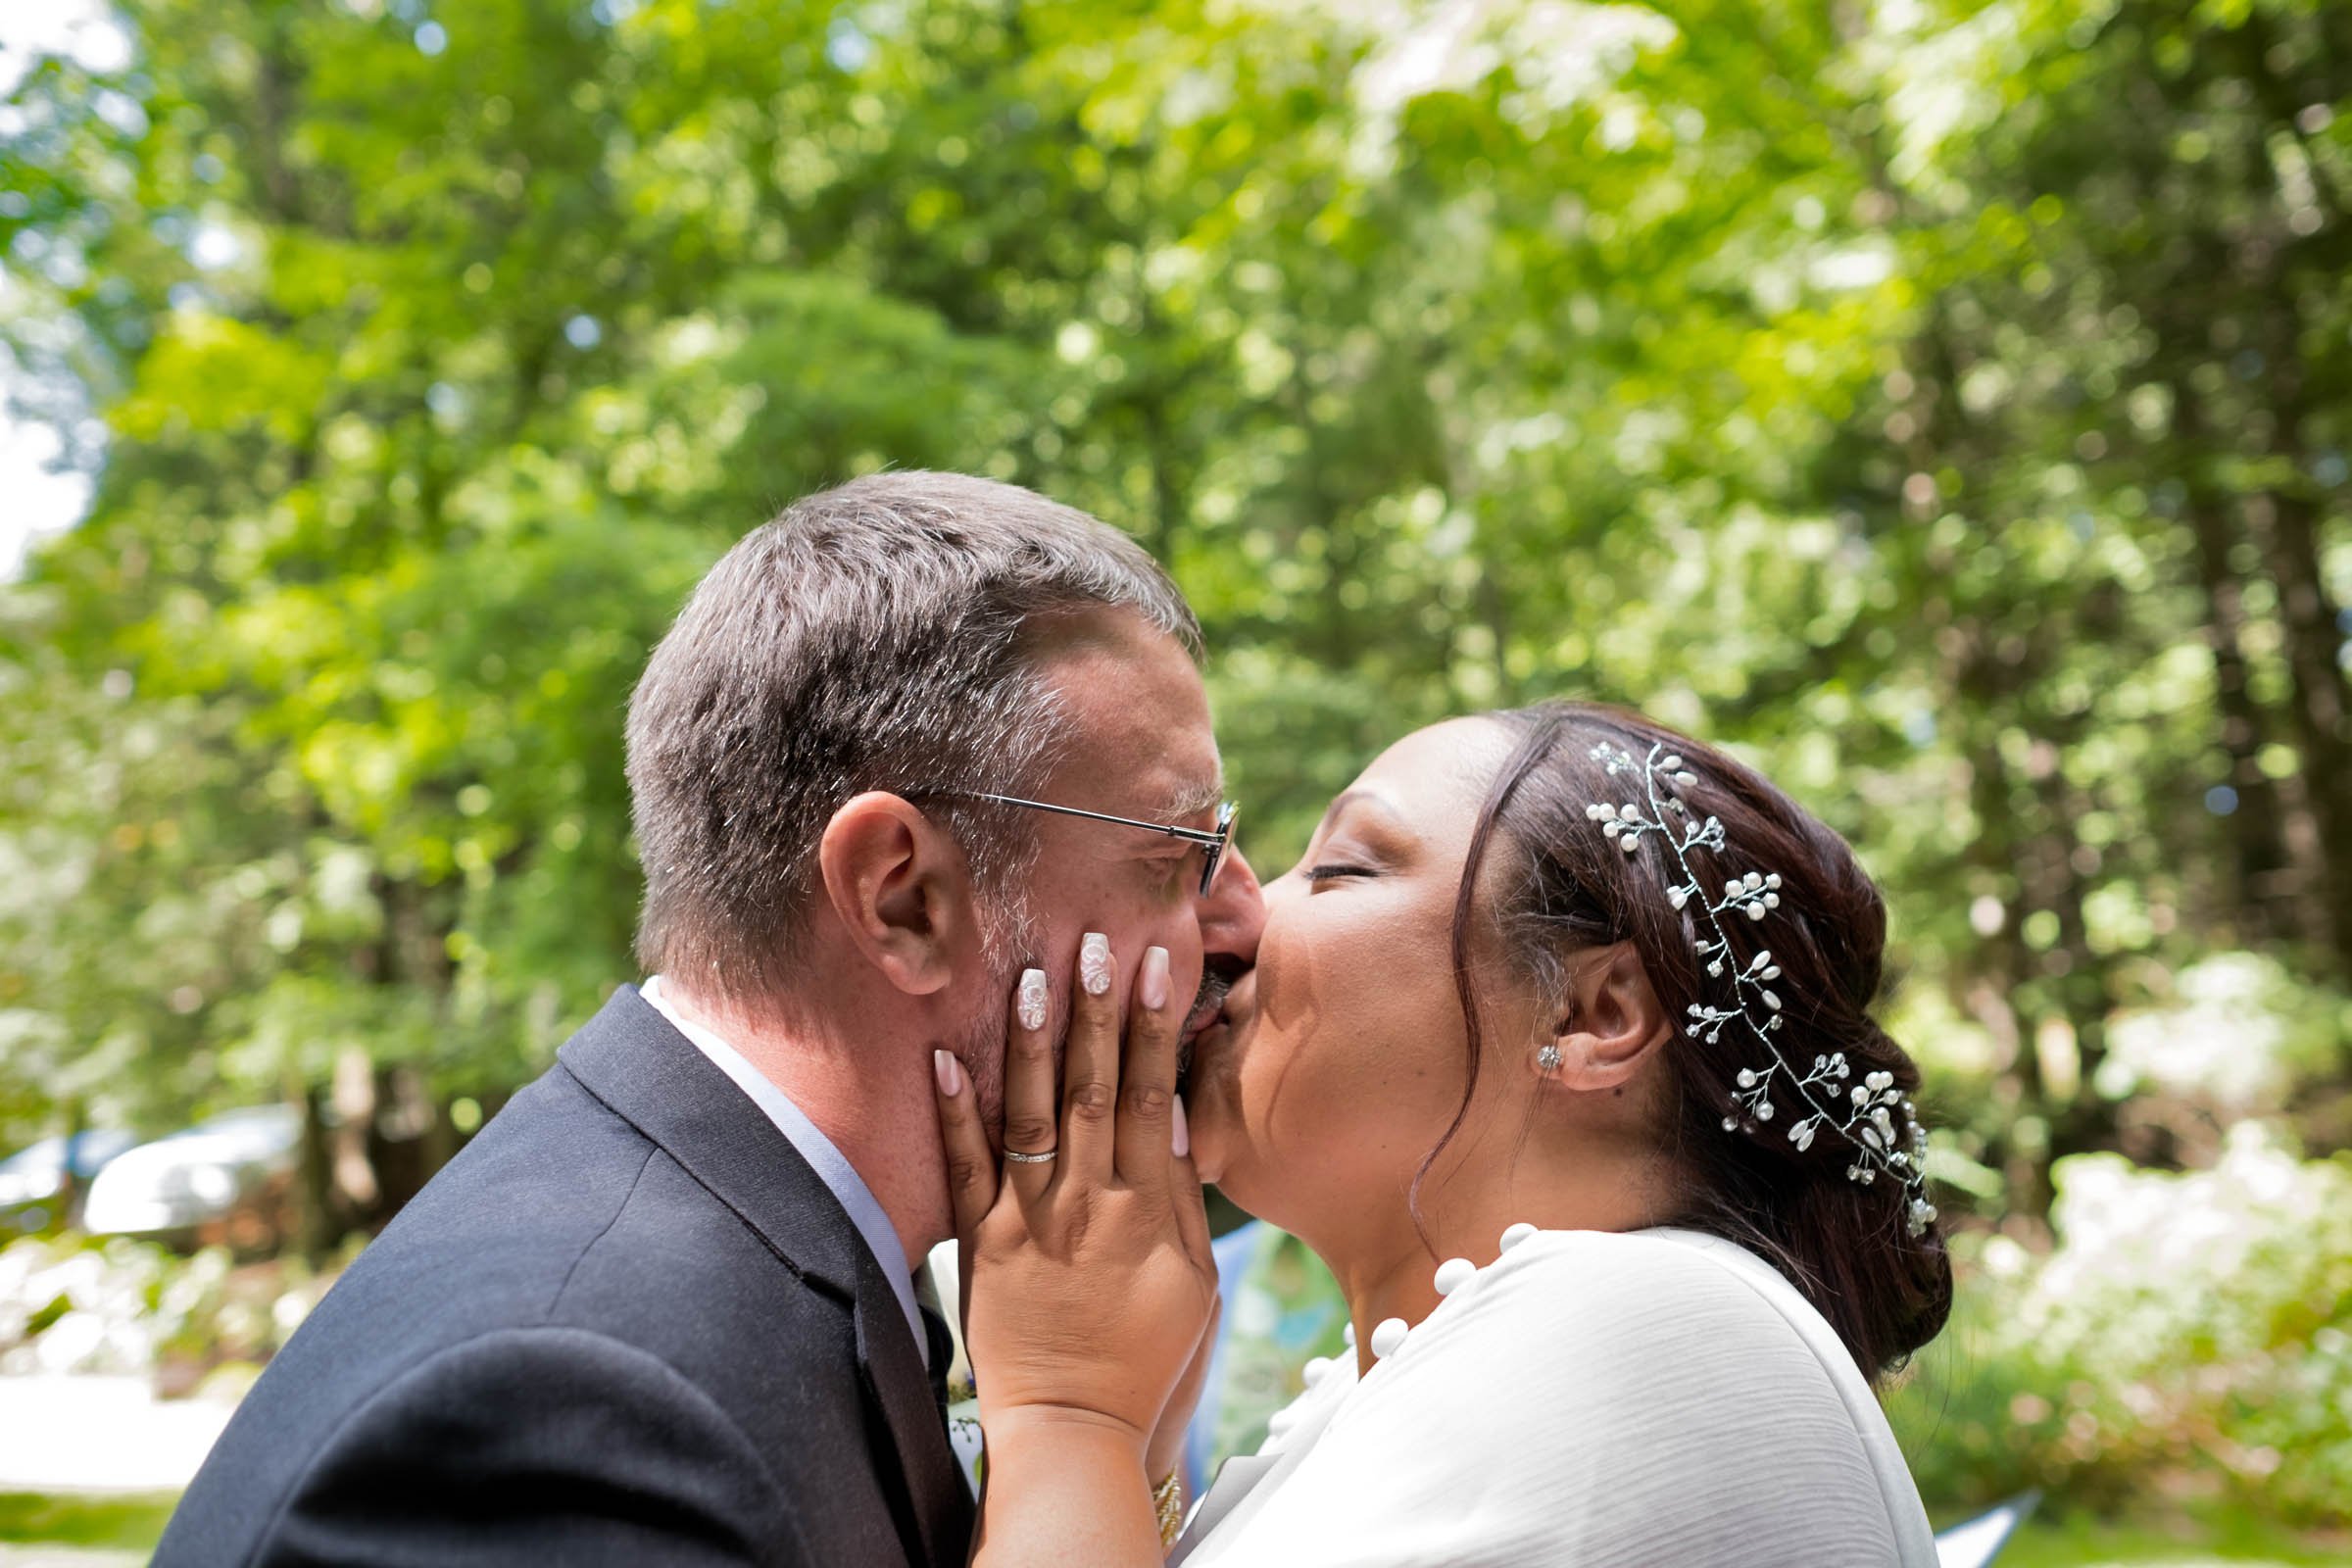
(663, 1310)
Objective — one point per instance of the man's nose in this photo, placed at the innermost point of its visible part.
(1233, 914)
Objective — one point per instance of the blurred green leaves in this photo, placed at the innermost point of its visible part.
(1944, 404)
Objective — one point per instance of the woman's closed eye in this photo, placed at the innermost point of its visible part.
(1326, 873)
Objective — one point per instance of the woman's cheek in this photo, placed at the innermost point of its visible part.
(1291, 977)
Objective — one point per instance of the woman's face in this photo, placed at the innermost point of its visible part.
(1339, 1060)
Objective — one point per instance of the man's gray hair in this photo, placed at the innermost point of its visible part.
(873, 636)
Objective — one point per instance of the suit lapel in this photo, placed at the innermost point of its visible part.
(937, 1499)
(654, 1079)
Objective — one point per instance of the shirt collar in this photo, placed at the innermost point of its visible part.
(831, 1165)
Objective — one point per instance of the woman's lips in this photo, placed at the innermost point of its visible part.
(1240, 1003)
(1218, 973)
(1197, 1033)
(1207, 1012)
(1212, 1014)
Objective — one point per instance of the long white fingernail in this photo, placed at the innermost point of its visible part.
(1151, 987)
(1182, 1139)
(1030, 1002)
(1094, 963)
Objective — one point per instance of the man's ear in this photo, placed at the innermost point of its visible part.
(900, 887)
(1614, 1021)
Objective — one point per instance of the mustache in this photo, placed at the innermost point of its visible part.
(1218, 973)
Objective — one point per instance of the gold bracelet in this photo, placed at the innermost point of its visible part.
(1167, 1501)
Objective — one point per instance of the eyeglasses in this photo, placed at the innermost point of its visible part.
(1213, 840)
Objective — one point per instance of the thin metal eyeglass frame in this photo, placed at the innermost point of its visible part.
(1214, 840)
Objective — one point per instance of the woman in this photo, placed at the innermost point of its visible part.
(1578, 1006)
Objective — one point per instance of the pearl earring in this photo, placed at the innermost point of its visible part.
(1548, 1058)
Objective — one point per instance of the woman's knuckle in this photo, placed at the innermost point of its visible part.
(1149, 1101)
(1092, 1100)
(1028, 1133)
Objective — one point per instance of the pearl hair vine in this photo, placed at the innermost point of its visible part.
(1863, 1114)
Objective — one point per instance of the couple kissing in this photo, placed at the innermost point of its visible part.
(1556, 1045)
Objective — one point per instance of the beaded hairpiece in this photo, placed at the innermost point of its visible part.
(1862, 1113)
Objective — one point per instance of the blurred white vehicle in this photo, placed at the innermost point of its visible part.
(222, 1180)
(33, 1178)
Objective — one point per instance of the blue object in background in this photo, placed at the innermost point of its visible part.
(1233, 1252)
(33, 1179)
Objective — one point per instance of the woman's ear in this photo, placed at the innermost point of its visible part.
(900, 889)
(1613, 1021)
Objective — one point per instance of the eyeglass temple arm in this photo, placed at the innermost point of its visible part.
(1190, 835)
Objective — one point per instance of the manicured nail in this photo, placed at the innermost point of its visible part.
(948, 1071)
(1182, 1141)
(1154, 983)
(1030, 1002)
(1094, 963)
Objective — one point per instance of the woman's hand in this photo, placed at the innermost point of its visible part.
(1091, 1276)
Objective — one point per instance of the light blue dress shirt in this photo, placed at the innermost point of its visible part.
(831, 1165)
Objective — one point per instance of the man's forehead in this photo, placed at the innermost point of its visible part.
(1165, 773)
(1139, 720)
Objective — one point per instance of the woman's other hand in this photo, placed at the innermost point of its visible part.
(1089, 1278)
(1163, 1456)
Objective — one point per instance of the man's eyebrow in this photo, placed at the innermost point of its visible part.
(1192, 800)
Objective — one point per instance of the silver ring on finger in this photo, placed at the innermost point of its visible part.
(1019, 1158)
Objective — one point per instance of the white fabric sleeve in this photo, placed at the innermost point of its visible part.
(1594, 1399)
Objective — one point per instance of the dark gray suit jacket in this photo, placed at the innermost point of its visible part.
(627, 1324)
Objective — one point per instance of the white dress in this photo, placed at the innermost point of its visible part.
(1594, 1399)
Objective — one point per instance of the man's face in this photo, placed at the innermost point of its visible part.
(1140, 748)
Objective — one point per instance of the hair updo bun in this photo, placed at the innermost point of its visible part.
(1849, 1247)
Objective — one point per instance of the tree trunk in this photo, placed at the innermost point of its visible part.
(2319, 706)
(2259, 867)
(315, 1228)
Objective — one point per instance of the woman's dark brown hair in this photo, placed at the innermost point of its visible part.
(1558, 885)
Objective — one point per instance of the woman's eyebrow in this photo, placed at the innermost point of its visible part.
(1355, 797)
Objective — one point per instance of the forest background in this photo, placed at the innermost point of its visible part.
(1948, 405)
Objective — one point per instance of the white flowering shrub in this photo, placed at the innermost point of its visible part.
(72, 1304)
(2190, 1332)
(2236, 1034)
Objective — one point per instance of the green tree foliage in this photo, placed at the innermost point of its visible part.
(1946, 403)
